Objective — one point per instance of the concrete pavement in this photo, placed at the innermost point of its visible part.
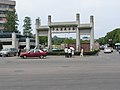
(59, 73)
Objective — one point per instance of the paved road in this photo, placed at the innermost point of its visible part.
(59, 73)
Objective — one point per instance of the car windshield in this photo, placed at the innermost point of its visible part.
(32, 50)
(35, 50)
(40, 51)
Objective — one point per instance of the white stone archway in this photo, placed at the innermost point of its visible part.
(66, 27)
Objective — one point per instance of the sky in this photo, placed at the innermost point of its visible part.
(106, 12)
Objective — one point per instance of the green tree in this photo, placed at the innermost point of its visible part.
(11, 24)
(43, 40)
(69, 40)
(27, 27)
(111, 37)
(101, 40)
(57, 41)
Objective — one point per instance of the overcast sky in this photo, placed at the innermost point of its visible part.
(106, 12)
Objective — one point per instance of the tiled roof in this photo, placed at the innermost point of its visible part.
(64, 24)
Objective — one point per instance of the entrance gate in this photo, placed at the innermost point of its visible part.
(66, 27)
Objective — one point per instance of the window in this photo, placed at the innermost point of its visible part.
(31, 51)
(7, 43)
(36, 50)
(11, 6)
(4, 6)
(65, 28)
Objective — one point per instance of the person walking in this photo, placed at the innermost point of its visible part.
(73, 50)
(69, 52)
(66, 52)
(19, 51)
(81, 53)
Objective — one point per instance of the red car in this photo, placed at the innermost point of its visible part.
(33, 53)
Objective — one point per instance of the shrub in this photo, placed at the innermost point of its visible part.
(55, 53)
(76, 53)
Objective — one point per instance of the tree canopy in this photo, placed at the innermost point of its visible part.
(111, 37)
(11, 22)
(43, 40)
(27, 26)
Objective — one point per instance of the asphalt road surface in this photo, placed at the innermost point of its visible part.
(59, 73)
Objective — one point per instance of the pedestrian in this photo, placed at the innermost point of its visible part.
(69, 52)
(19, 51)
(81, 52)
(66, 51)
(73, 50)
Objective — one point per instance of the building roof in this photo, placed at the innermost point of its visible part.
(11, 2)
(44, 27)
(84, 26)
(64, 23)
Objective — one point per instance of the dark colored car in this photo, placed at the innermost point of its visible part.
(33, 53)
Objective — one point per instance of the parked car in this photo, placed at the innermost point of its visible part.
(108, 50)
(102, 47)
(33, 53)
(45, 49)
(118, 48)
(119, 51)
(8, 52)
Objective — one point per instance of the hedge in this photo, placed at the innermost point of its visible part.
(95, 52)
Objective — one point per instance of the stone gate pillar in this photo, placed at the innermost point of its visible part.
(49, 34)
(14, 41)
(78, 33)
(27, 44)
(37, 32)
(92, 33)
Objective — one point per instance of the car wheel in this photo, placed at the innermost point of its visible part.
(4, 55)
(41, 56)
(8, 54)
(14, 54)
(24, 57)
